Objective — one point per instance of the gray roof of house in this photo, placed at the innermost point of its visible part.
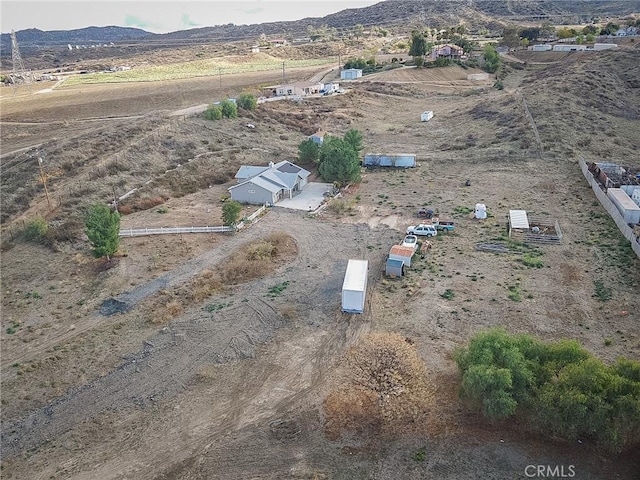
(262, 183)
(248, 171)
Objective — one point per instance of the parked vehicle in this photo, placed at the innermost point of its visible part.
(422, 230)
(410, 241)
(424, 213)
(445, 224)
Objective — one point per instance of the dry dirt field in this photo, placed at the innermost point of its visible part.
(231, 386)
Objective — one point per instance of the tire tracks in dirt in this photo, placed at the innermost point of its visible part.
(167, 361)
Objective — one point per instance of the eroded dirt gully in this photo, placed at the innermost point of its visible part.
(170, 359)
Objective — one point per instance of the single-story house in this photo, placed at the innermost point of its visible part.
(255, 49)
(447, 50)
(259, 185)
(569, 47)
(351, 73)
(318, 137)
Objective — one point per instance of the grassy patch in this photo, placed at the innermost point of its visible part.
(214, 307)
(448, 294)
(515, 294)
(531, 261)
(278, 289)
(420, 455)
(602, 292)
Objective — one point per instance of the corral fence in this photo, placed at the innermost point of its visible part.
(139, 232)
(611, 208)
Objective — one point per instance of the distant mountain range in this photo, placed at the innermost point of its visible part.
(405, 14)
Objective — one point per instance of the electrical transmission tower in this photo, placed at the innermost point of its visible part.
(19, 73)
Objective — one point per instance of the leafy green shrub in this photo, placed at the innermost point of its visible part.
(229, 109)
(247, 101)
(213, 112)
(559, 388)
(103, 229)
(36, 229)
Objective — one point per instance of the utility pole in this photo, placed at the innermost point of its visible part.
(44, 181)
(282, 73)
(220, 78)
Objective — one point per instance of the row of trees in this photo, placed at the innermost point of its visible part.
(559, 388)
(338, 159)
(229, 109)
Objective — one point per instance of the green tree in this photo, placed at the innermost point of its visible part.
(511, 36)
(247, 101)
(495, 373)
(358, 30)
(308, 151)
(338, 161)
(418, 45)
(213, 112)
(231, 212)
(354, 138)
(491, 59)
(103, 229)
(229, 109)
(590, 38)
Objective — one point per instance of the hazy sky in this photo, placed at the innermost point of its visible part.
(160, 16)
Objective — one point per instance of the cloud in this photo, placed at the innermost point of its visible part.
(133, 21)
(187, 22)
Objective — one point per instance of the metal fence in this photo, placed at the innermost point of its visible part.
(139, 232)
(611, 208)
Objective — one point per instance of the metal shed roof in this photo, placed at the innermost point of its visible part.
(355, 277)
(518, 219)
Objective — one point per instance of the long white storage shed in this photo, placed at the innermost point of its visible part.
(354, 288)
(627, 207)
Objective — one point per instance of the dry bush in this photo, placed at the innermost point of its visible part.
(289, 311)
(144, 203)
(257, 259)
(260, 250)
(389, 369)
(354, 409)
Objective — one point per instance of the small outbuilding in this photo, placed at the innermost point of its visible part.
(400, 160)
(426, 116)
(404, 254)
(479, 76)
(518, 220)
(351, 73)
(317, 137)
(394, 268)
(354, 287)
(626, 206)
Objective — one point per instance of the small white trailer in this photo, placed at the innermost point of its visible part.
(426, 116)
(354, 287)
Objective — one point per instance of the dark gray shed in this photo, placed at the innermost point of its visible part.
(394, 268)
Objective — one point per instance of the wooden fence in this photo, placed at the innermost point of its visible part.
(138, 232)
(611, 208)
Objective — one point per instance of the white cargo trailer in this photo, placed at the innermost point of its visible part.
(354, 287)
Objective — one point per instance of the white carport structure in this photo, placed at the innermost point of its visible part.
(518, 220)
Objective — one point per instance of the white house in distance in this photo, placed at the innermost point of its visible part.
(318, 137)
(266, 185)
(351, 73)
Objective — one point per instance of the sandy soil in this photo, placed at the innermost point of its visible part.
(232, 387)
